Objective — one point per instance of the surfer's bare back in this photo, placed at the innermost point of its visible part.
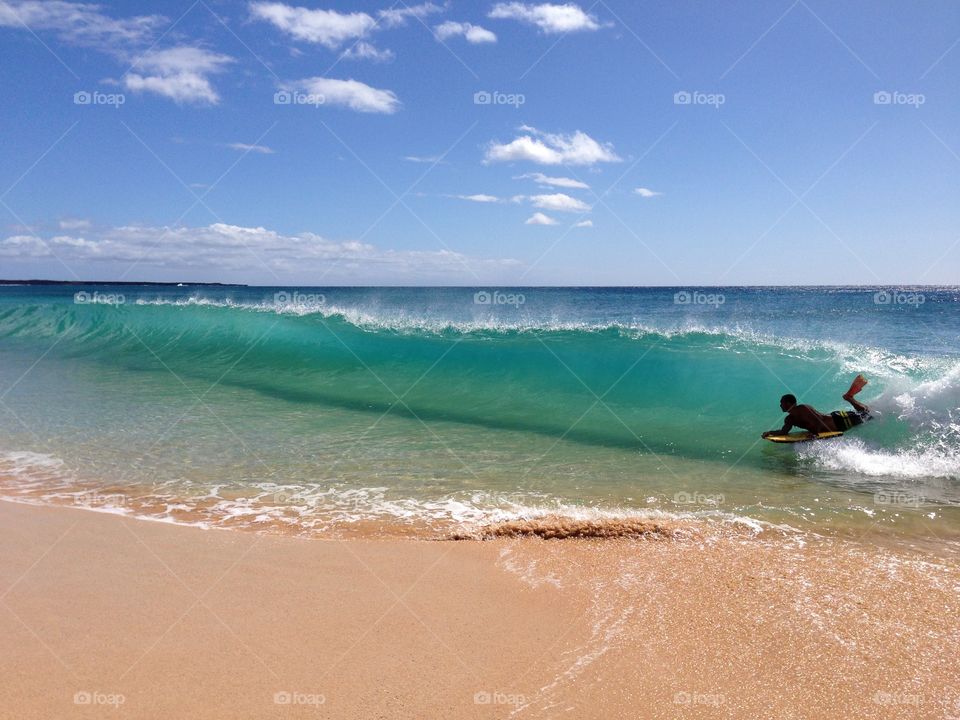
(811, 420)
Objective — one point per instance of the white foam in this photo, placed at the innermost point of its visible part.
(855, 456)
(25, 460)
(38, 478)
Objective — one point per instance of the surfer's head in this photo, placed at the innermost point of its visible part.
(787, 402)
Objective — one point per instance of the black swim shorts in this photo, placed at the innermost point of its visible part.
(846, 419)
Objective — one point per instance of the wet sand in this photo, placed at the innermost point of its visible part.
(107, 616)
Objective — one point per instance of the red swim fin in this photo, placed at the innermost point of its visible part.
(859, 382)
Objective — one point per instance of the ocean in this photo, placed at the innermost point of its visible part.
(444, 411)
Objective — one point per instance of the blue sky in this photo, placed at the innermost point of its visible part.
(350, 142)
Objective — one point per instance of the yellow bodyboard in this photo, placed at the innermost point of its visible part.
(802, 437)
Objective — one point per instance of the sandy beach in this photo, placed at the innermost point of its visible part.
(109, 616)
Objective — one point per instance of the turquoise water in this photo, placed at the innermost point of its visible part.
(319, 409)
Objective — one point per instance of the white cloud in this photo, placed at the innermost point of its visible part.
(334, 29)
(24, 246)
(74, 224)
(523, 148)
(433, 159)
(646, 192)
(75, 242)
(538, 218)
(326, 27)
(363, 50)
(546, 16)
(552, 149)
(243, 147)
(349, 93)
(472, 33)
(563, 182)
(79, 23)
(231, 248)
(584, 223)
(398, 15)
(479, 197)
(180, 88)
(179, 73)
(560, 202)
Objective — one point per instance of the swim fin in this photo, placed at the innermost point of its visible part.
(859, 382)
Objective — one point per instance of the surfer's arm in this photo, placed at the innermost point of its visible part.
(787, 427)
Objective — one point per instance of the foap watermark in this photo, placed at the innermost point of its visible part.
(485, 97)
(498, 697)
(293, 97)
(94, 498)
(695, 297)
(697, 498)
(95, 697)
(98, 298)
(85, 97)
(498, 297)
(294, 697)
(693, 697)
(898, 297)
(897, 499)
(884, 697)
(695, 97)
(894, 97)
(297, 299)
(286, 497)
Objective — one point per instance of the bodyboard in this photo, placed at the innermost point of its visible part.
(802, 437)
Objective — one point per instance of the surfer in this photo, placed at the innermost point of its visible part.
(808, 418)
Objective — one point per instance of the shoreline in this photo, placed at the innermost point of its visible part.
(638, 524)
(183, 622)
